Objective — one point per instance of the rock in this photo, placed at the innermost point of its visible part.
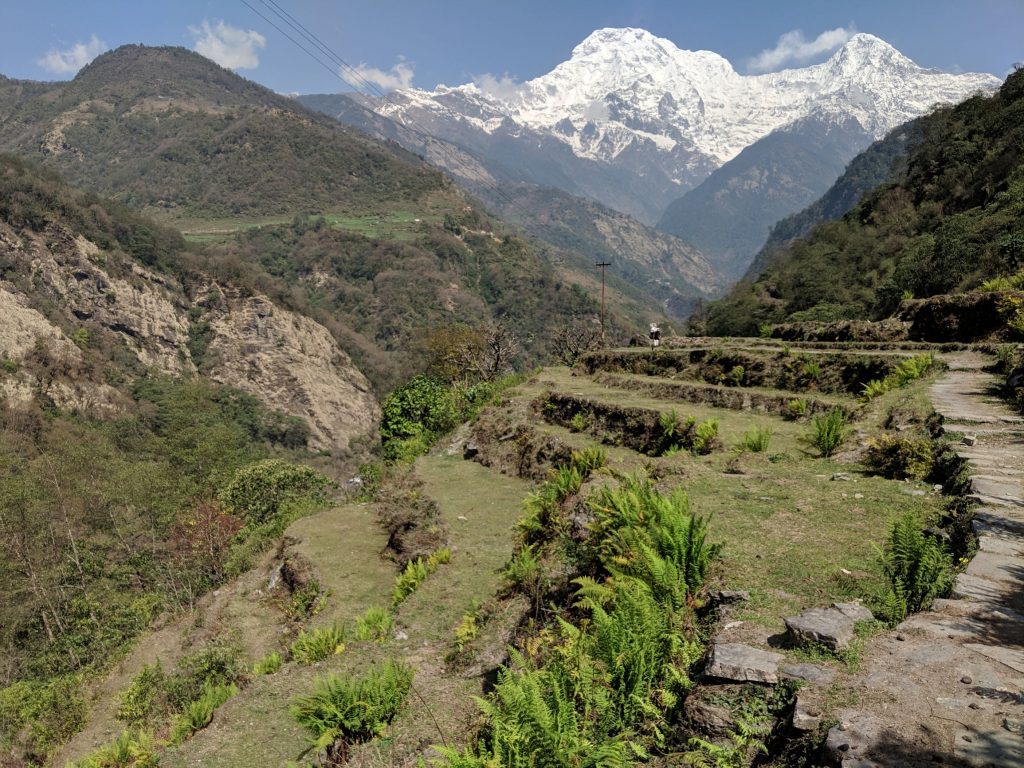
(969, 440)
(806, 713)
(966, 679)
(840, 476)
(726, 596)
(706, 717)
(810, 673)
(470, 450)
(858, 495)
(742, 663)
(914, 492)
(831, 627)
(856, 733)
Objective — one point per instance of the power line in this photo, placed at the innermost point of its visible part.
(356, 80)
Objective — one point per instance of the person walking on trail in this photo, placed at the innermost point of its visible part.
(655, 335)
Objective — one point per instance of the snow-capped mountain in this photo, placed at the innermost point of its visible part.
(634, 121)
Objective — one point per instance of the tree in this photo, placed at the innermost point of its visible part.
(573, 340)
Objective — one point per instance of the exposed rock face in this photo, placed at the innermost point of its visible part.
(290, 362)
(294, 364)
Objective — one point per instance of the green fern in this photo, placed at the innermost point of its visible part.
(346, 710)
(918, 569)
(198, 714)
(318, 644)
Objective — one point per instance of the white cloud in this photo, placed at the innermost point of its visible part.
(792, 46)
(72, 59)
(503, 88)
(399, 76)
(229, 46)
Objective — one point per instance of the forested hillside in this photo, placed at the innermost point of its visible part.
(949, 220)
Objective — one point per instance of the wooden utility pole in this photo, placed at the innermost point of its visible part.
(602, 265)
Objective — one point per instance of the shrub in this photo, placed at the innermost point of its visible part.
(259, 491)
(828, 431)
(736, 375)
(756, 441)
(376, 624)
(198, 714)
(318, 644)
(421, 409)
(899, 458)
(37, 716)
(132, 749)
(269, 664)
(145, 696)
(578, 422)
(917, 567)
(345, 710)
(219, 663)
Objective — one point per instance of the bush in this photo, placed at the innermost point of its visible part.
(578, 422)
(36, 716)
(345, 710)
(828, 431)
(260, 491)
(145, 697)
(198, 714)
(423, 408)
(899, 458)
(917, 567)
(318, 644)
(375, 624)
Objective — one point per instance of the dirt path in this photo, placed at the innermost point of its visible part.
(947, 687)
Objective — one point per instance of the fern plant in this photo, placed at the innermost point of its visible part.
(375, 624)
(345, 710)
(755, 441)
(828, 431)
(745, 744)
(318, 644)
(917, 567)
(269, 664)
(198, 714)
(589, 460)
(131, 749)
(796, 408)
(705, 437)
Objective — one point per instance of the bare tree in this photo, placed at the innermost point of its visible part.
(572, 341)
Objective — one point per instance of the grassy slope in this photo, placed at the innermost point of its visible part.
(255, 728)
(786, 527)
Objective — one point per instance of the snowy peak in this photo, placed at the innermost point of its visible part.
(639, 107)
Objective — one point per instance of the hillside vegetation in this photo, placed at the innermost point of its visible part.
(950, 220)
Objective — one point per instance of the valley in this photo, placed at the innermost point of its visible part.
(661, 408)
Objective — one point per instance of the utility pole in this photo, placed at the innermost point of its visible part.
(602, 265)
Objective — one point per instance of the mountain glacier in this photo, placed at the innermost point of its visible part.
(660, 119)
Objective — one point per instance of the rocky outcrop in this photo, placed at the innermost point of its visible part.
(831, 627)
(293, 364)
(65, 295)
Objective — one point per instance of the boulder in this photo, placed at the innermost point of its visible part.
(743, 663)
(831, 627)
(806, 713)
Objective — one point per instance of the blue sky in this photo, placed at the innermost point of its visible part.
(428, 42)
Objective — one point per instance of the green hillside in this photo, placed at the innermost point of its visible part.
(950, 220)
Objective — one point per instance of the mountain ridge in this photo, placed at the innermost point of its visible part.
(636, 104)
